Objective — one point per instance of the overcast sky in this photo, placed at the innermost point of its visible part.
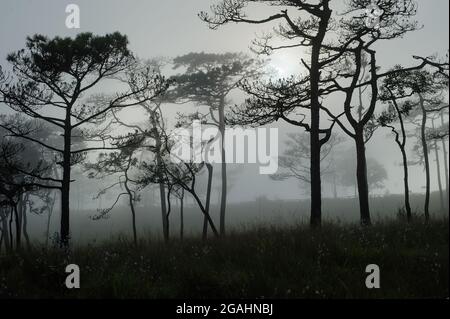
(171, 28)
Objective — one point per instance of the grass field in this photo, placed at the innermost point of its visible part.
(279, 262)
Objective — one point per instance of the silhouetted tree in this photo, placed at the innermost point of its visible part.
(208, 80)
(434, 135)
(284, 99)
(50, 78)
(426, 88)
(176, 175)
(311, 28)
(392, 92)
(120, 163)
(20, 165)
(442, 133)
(310, 31)
(357, 71)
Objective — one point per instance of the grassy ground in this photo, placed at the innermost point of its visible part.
(291, 262)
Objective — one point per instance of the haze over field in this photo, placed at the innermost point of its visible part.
(224, 149)
(170, 28)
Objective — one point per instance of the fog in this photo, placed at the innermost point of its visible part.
(171, 28)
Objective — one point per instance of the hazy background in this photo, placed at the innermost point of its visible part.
(170, 28)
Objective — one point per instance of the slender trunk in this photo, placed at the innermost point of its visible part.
(316, 194)
(182, 214)
(402, 144)
(162, 191)
(361, 178)
(19, 209)
(133, 211)
(25, 223)
(438, 170)
(133, 218)
(11, 239)
(425, 157)
(444, 150)
(406, 184)
(223, 199)
(18, 227)
(315, 144)
(205, 213)
(162, 195)
(130, 198)
(208, 200)
(49, 216)
(65, 187)
(169, 209)
(316, 183)
(5, 232)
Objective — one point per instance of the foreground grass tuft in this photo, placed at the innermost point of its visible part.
(293, 262)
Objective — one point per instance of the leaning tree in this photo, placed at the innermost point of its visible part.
(399, 106)
(207, 80)
(122, 165)
(178, 174)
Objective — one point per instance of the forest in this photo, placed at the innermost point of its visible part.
(298, 174)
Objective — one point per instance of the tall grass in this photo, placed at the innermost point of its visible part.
(257, 262)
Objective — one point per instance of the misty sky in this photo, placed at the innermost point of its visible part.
(171, 28)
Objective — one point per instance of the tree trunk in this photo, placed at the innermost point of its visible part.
(11, 238)
(50, 209)
(25, 222)
(316, 194)
(361, 178)
(5, 232)
(444, 150)
(182, 214)
(405, 173)
(133, 211)
(406, 184)
(438, 170)
(426, 159)
(208, 200)
(169, 210)
(401, 144)
(65, 187)
(18, 227)
(49, 216)
(205, 213)
(314, 72)
(162, 192)
(19, 210)
(162, 195)
(223, 199)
